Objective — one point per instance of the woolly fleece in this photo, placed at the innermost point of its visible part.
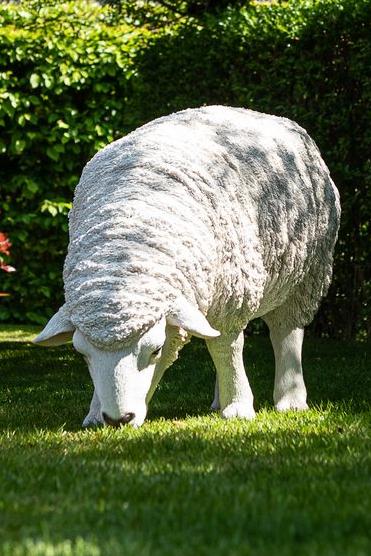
(232, 209)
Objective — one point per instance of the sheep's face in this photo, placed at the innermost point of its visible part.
(125, 379)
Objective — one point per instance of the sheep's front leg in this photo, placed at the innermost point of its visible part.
(289, 388)
(215, 406)
(94, 417)
(235, 396)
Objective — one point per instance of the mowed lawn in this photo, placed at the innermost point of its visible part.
(187, 482)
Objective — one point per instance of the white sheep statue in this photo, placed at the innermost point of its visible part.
(195, 224)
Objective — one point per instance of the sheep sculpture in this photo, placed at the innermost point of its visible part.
(195, 224)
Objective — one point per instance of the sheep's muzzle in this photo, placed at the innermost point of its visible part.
(126, 418)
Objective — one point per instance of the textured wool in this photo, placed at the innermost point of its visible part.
(232, 209)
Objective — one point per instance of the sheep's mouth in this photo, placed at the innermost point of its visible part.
(124, 420)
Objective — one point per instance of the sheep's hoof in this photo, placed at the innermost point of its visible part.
(215, 406)
(291, 404)
(92, 421)
(241, 410)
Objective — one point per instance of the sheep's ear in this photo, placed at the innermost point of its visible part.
(188, 317)
(59, 330)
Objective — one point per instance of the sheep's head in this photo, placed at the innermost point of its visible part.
(126, 378)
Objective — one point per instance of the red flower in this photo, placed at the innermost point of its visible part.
(4, 244)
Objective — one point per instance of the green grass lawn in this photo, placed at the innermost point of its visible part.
(187, 482)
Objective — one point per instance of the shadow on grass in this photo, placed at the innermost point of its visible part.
(298, 487)
(283, 484)
(51, 387)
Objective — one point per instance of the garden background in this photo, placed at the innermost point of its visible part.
(76, 75)
(73, 77)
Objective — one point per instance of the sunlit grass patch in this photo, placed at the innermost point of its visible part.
(15, 333)
(187, 482)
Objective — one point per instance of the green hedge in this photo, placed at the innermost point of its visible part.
(65, 79)
(71, 80)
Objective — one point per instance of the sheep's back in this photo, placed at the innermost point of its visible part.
(240, 204)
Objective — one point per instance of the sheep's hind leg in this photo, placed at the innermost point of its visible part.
(289, 388)
(94, 417)
(235, 396)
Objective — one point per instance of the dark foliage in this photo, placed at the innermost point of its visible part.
(149, 11)
(71, 81)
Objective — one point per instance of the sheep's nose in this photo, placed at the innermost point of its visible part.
(126, 418)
